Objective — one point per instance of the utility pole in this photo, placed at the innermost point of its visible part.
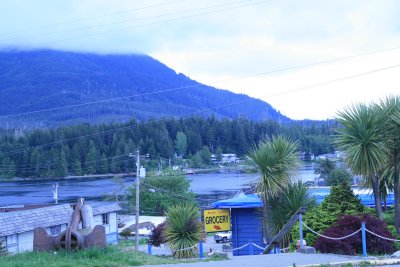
(137, 201)
(55, 193)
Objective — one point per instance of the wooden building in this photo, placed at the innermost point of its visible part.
(246, 223)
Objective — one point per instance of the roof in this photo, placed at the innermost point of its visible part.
(27, 220)
(241, 201)
(104, 207)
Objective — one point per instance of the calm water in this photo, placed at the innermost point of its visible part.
(209, 187)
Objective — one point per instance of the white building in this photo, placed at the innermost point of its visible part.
(226, 158)
(17, 224)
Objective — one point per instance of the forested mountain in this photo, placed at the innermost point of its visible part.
(98, 149)
(46, 79)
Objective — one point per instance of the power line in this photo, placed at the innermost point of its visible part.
(89, 18)
(158, 22)
(146, 18)
(210, 109)
(199, 85)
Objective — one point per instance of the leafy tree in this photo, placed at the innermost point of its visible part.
(197, 160)
(218, 154)
(361, 138)
(324, 168)
(181, 143)
(205, 155)
(183, 230)
(339, 176)
(157, 193)
(277, 161)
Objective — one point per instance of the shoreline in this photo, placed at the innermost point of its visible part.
(189, 172)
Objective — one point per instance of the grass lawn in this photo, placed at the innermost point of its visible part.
(110, 256)
(123, 254)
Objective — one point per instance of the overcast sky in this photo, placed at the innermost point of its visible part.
(237, 45)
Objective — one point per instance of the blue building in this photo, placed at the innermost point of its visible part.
(246, 220)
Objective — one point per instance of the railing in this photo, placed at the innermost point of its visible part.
(284, 230)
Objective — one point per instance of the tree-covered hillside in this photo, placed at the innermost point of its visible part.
(98, 149)
(46, 79)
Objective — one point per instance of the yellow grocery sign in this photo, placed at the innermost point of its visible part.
(217, 220)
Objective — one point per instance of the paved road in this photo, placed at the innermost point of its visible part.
(277, 260)
(210, 244)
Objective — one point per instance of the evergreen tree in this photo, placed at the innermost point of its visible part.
(90, 161)
(35, 163)
(62, 166)
(103, 164)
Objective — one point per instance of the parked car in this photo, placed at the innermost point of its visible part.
(223, 237)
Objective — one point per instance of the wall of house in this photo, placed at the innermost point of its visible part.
(12, 243)
(111, 227)
(24, 241)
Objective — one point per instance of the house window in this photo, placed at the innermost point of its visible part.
(106, 218)
(2, 241)
(55, 230)
(12, 240)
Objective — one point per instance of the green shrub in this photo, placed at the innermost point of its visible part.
(388, 217)
(340, 201)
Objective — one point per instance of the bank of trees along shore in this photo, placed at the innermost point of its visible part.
(45, 153)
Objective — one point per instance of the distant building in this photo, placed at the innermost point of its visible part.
(226, 158)
(18, 222)
(331, 156)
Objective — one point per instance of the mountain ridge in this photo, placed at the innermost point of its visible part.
(49, 79)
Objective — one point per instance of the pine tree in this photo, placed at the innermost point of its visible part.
(62, 166)
(91, 159)
(102, 167)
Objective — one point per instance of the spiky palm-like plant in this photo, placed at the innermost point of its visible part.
(183, 230)
(391, 108)
(362, 138)
(287, 204)
(277, 161)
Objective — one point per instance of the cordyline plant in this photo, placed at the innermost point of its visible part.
(353, 245)
(183, 230)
